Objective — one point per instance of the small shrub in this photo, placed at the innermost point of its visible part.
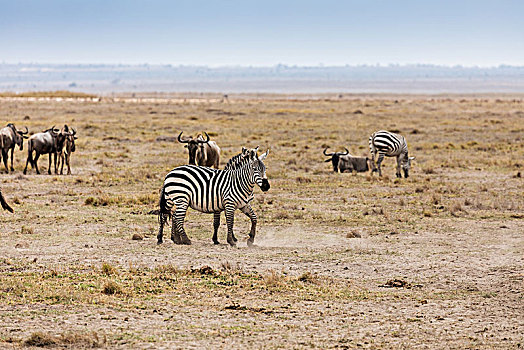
(40, 339)
(82, 339)
(308, 277)
(274, 279)
(280, 215)
(111, 288)
(27, 230)
(137, 237)
(301, 179)
(108, 269)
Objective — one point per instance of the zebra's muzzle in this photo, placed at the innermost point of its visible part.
(265, 185)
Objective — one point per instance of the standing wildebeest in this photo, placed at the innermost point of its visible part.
(388, 144)
(4, 204)
(47, 142)
(206, 152)
(9, 137)
(64, 154)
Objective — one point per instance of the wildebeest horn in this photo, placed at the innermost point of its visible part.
(206, 141)
(22, 132)
(186, 140)
(328, 154)
(343, 154)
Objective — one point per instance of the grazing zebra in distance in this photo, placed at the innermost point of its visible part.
(212, 191)
(388, 144)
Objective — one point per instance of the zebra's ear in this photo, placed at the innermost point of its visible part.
(264, 155)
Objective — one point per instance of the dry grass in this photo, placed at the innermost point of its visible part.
(67, 255)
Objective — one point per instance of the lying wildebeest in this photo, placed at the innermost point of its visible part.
(49, 141)
(9, 137)
(68, 147)
(335, 157)
(4, 204)
(205, 152)
(345, 162)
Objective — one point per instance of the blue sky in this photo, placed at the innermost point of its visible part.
(264, 32)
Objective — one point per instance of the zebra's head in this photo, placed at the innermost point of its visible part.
(259, 170)
(406, 164)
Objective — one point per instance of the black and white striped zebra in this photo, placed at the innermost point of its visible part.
(388, 144)
(211, 191)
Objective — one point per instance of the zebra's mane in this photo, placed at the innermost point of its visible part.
(236, 162)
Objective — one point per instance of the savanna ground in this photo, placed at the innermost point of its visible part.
(341, 260)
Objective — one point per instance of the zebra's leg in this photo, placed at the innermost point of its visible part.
(216, 225)
(251, 214)
(178, 235)
(162, 219)
(379, 163)
(230, 219)
(398, 167)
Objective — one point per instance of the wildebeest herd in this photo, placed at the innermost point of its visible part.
(198, 185)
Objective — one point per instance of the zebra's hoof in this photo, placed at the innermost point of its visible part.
(250, 242)
(186, 241)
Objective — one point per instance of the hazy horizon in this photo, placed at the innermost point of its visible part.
(107, 78)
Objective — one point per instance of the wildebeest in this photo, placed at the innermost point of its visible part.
(9, 137)
(205, 152)
(4, 204)
(68, 147)
(335, 157)
(345, 162)
(47, 142)
(349, 163)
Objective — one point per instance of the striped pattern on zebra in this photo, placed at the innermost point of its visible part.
(212, 191)
(388, 144)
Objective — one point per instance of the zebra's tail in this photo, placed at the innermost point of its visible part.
(164, 210)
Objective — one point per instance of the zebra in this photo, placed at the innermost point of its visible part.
(212, 191)
(388, 144)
